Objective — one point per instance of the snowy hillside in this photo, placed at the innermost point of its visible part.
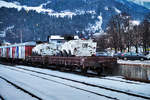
(145, 3)
(46, 17)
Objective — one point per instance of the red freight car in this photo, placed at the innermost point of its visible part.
(0, 51)
(17, 51)
(8, 54)
(13, 52)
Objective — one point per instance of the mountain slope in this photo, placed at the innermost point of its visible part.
(145, 3)
(46, 17)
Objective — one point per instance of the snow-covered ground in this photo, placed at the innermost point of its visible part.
(11, 93)
(54, 85)
(135, 62)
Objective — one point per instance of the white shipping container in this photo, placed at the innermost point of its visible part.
(4, 52)
(10, 52)
(16, 52)
(21, 52)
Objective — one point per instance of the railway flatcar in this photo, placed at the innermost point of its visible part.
(47, 55)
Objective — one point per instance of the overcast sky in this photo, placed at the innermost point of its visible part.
(142, 0)
(146, 0)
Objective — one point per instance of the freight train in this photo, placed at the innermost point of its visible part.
(73, 55)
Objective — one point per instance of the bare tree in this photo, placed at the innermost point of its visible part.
(102, 42)
(145, 34)
(118, 31)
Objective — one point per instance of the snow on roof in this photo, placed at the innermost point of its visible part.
(106, 8)
(21, 44)
(117, 10)
(6, 43)
(135, 22)
(76, 37)
(56, 37)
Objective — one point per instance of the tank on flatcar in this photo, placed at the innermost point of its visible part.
(79, 47)
(45, 49)
(60, 47)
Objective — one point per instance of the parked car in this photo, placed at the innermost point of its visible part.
(101, 54)
(133, 56)
(118, 55)
(148, 56)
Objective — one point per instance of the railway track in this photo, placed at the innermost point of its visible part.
(20, 88)
(84, 74)
(1, 98)
(96, 76)
(109, 97)
(119, 80)
(76, 72)
(84, 83)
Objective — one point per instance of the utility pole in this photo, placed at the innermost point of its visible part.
(21, 36)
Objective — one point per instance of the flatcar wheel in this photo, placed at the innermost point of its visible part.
(99, 71)
(84, 70)
(62, 69)
(58, 67)
(142, 59)
(72, 68)
(125, 58)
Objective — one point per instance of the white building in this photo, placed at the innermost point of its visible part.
(56, 39)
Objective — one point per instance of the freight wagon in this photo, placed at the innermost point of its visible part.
(17, 51)
(95, 64)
